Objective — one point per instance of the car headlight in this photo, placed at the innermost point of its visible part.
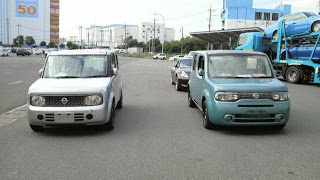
(280, 96)
(226, 96)
(93, 100)
(37, 101)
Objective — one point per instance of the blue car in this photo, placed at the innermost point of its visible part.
(301, 51)
(237, 88)
(297, 23)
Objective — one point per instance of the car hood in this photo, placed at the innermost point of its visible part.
(73, 86)
(249, 85)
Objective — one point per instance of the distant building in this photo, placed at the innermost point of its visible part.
(114, 35)
(36, 18)
(241, 14)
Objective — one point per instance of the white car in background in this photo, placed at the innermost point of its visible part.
(160, 56)
(176, 57)
(4, 51)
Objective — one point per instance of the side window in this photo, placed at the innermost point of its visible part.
(178, 64)
(113, 62)
(299, 16)
(200, 63)
(288, 18)
(195, 58)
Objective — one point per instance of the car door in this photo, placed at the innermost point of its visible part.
(199, 80)
(115, 77)
(193, 75)
(300, 23)
(289, 24)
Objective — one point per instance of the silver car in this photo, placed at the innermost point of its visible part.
(80, 87)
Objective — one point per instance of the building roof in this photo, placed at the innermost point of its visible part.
(82, 52)
(223, 36)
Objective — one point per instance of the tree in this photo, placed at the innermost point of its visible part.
(52, 45)
(69, 44)
(1, 43)
(43, 43)
(18, 41)
(29, 40)
(62, 46)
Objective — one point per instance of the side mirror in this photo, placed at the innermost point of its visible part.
(201, 72)
(115, 71)
(40, 72)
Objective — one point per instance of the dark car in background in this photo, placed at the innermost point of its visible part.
(180, 73)
(302, 51)
(23, 52)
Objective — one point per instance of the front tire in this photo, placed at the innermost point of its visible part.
(109, 125)
(190, 101)
(205, 117)
(316, 27)
(178, 85)
(293, 75)
(36, 128)
(120, 103)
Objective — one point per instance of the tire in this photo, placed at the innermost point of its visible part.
(175, 59)
(275, 35)
(120, 103)
(163, 58)
(178, 86)
(293, 75)
(109, 125)
(316, 27)
(36, 128)
(205, 117)
(190, 101)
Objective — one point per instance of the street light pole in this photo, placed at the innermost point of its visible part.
(164, 29)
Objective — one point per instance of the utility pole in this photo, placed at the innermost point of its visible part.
(182, 40)
(125, 36)
(80, 29)
(8, 31)
(101, 37)
(154, 35)
(210, 10)
(18, 34)
(147, 40)
(88, 38)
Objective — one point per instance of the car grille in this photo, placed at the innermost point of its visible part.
(72, 101)
(249, 118)
(250, 95)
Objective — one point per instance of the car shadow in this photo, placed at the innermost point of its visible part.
(78, 131)
(251, 130)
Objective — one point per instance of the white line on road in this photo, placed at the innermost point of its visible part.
(12, 115)
(18, 82)
(16, 109)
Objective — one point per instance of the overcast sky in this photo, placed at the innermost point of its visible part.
(192, 14)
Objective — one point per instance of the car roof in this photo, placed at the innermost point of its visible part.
(230, 52)
(82, 52)
(185, 59)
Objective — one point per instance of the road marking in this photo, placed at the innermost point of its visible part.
(18, 82)
(12, 115)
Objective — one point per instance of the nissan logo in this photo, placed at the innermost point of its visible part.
(256, 96)
(64, 101)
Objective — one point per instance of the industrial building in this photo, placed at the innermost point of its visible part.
(115, 34)
(36, 18)
(241, 14)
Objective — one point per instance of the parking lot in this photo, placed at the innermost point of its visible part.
(156, 135)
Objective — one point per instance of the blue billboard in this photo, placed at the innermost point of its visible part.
(27, 8)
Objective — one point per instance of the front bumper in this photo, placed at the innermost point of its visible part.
(249, 113)
(183, 82)
(67, 115)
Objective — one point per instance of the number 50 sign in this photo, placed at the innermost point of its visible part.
(27, 8)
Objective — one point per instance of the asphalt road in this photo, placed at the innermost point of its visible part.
(157, 136)
(16, 75)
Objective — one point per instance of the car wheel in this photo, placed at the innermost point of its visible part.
(109, 125)
(275, 35)
(120, 103)
(316, 27)
(178, 86)
(190, 101)
(36, 128)
(164, 58)
(205, 117)
(293, 75)
(175, 59)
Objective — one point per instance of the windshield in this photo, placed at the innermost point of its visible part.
(186, 63)
(309, 14)
(239, 66)
(75, 67)
(242, 40)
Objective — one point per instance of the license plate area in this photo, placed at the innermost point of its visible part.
(64, 117)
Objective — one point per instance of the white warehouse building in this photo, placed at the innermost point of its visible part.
(115, 34)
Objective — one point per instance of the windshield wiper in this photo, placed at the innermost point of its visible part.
(67, 77)
(96, 76)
